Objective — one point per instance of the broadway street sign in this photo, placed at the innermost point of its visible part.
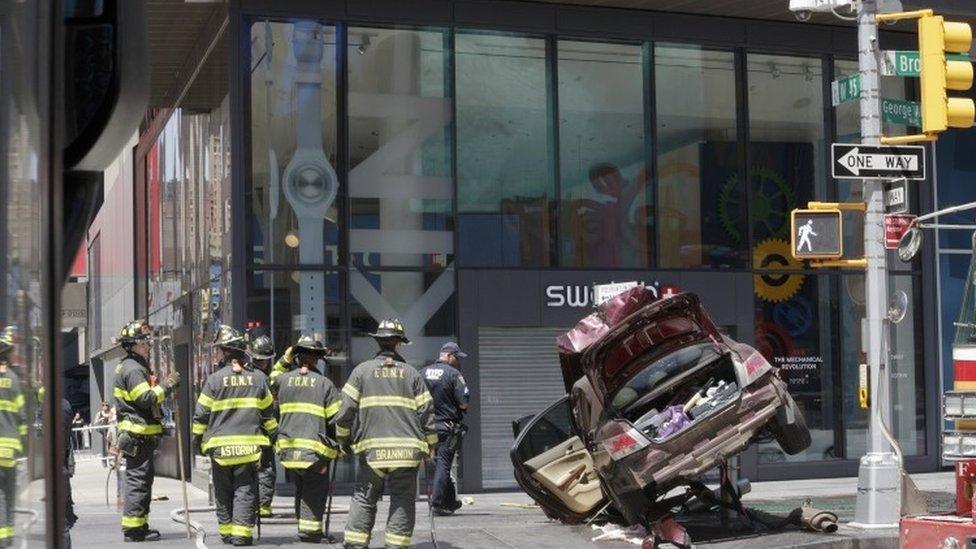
(905, 63)
(853, 161)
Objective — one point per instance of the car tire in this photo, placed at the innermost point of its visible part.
(793, 437)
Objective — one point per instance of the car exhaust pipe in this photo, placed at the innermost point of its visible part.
(817, 520)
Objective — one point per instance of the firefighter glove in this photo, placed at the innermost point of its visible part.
(173, 380)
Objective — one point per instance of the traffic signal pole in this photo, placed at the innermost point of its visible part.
(878, 484)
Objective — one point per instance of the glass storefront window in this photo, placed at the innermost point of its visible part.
(794, 334)
(506, 184)
(787, 147)
(401, 183)
(607, 209)
(276, 304)
(700, 198)
(293, 182)
(425, 302)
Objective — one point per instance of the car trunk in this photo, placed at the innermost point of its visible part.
(677, 391)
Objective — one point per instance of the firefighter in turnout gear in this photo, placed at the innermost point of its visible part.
(232, 424)
(308, 400)
(13, 429)
(283, 365)
(260, 350)
(138, 401)
(387, 419)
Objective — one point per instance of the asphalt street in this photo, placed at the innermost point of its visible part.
(493, 521)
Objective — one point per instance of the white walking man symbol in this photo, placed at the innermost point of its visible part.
(804, 233)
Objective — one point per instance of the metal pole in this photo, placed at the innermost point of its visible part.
(878, 474)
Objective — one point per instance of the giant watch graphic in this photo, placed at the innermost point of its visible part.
(309, 181)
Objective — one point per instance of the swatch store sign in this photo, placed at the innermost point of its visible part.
(584, 296)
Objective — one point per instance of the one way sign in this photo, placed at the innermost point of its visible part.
(853, 161)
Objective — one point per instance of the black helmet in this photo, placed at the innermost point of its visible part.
(137, 330)
(6, 341)
(229, 338)
(260, 348)
(391, 328)
(312, 344)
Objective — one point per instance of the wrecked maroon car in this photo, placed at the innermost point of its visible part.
(657, 397)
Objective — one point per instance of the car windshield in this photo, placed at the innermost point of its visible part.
(661, 371)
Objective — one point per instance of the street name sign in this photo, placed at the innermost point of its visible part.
(816, 234)
(897, 111)
(906, 63)
(896, 225)
(845, 89)
(855, 161)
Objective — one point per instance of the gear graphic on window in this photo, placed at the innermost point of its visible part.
(774, 254)
(772, 201)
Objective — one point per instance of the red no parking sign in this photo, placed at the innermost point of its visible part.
(896, 225)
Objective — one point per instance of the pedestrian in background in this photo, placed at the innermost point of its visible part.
(450, 393)
(105, 421)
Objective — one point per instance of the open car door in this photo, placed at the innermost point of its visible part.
(553, 466)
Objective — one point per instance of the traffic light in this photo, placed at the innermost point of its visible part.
(939, 111)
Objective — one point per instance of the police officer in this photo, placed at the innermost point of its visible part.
(387, 415)
(137, 402)
(450, 394)
(308, 400)
(13, 428)
(260, 350)
(232, 424)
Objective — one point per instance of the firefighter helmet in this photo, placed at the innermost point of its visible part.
(312, 343)
(6, 341)
(229, 338)
(391, 328)
(260, 348)
(137, 330)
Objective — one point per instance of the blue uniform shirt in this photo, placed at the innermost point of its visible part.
(450, 392)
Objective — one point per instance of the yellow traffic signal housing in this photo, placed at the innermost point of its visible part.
(939, 111)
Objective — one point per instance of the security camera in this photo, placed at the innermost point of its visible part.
(804, 9)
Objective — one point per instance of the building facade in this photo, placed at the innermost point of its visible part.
(473, 168)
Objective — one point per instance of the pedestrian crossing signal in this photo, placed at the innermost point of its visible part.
(816, 234)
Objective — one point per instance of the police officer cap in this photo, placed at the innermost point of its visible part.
(452, 348)
(391, 328)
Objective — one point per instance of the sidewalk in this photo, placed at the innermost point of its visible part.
(497, 520)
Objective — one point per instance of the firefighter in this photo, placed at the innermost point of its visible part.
(13, 429)
(450, 393)
(387, 419)
(137, 401)
(284, 364)
(260, 350)
(308, 400)
(232, 424)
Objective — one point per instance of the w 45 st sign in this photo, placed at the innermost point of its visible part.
(854, 161)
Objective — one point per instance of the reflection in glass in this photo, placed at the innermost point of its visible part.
(289, 322)
(606, 203)
(786, 136)
(701, 200)
(505, 174)
(400, 180)
(293, 144)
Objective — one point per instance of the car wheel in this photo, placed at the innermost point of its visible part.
(790, 428)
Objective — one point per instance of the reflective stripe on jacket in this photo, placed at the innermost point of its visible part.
(234, 416)
(306, 403)
(13, 425)
(137, 402)
(387, 403)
